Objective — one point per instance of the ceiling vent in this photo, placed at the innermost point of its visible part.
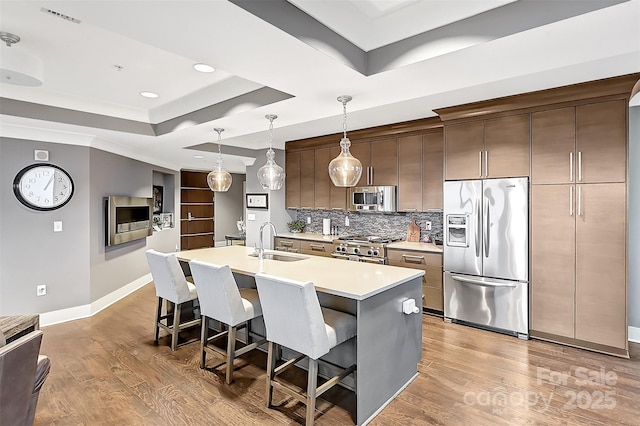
(60, 15)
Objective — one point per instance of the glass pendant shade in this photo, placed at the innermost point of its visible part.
(345, 170)
(271, 176)
(219, 180)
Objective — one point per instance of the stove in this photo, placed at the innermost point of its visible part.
(361, 248)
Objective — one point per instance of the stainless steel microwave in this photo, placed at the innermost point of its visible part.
(372, 199)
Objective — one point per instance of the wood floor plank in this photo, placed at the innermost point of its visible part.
(106, 370)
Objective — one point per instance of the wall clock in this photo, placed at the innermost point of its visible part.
(43, 186)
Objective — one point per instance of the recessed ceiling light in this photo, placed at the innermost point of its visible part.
(149, 94)
(199, 157)
(204, 68)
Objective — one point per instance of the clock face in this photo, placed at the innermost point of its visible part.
(43, 187)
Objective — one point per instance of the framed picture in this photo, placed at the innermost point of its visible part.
(257, 201)
(167, 220)
(157, 199)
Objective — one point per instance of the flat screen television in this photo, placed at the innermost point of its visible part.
(127, 219)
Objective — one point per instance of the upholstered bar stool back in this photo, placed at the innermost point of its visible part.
(171, 285)
(222, 300)
(294, 319)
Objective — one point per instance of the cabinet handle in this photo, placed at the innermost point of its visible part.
(486, 163)
(579, 201)
(305, 208)
(317, 247)
(368, 178)
(415, 259)
(571, 201)
(321, 208)
(409, 210)
(293, 207)
(188, 215)
(286, 243)
(571, 167)
(371, 174)
(579, 166)
(337, 208)
(480, 163)
(293, 250)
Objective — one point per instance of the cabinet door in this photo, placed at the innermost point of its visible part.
(322, 181)
(338, 195)
(307, 179)
(384, 162)
(552, 146)
(410, 173)
(601, 304)
(292, 180)
(432, 165)
(464, 146)
(506, 142)
(553, 259)
(362, 151)
(601, 142)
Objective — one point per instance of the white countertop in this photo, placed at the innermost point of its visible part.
(354, 280)
(406, 245)
(308, 236)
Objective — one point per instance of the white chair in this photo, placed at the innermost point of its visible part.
(294, 319)
(223, 301)
(172, 286)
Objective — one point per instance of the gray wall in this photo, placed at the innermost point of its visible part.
(634, 216)
(228, 209)
(32, 253)
(74, 264)
(111, 174)
(276, 212)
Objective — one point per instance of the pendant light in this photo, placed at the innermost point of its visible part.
(219, 180)
(345, 170)
(271, 176)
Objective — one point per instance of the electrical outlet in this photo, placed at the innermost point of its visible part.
(308, 220)
(41, 290)
(346, 221)
(427, 225)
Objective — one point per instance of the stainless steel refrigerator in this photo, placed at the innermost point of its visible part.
(486, 254)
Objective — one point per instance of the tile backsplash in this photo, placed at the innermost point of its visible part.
(383, 224)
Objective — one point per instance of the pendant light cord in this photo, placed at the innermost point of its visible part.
(344, 118)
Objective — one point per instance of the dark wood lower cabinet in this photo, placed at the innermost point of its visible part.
(196, 211)
(191, 242)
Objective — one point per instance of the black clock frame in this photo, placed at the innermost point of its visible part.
(18, 194)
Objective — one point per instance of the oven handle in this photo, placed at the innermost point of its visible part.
(483, 282)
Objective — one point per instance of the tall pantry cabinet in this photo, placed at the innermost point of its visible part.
(579, 225)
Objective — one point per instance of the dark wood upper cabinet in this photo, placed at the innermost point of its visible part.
(506, 145)
(553, 146)
(432, 170)
(307, 179)
(322, 181)
(410, 173)
(292, 182)
(600, 125)
(464, 146)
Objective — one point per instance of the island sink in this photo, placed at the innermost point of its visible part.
(279, 256)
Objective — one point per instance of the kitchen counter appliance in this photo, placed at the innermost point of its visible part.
(360, 248)
(486, 254)
(373, 199)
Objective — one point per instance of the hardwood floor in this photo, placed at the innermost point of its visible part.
(106, 370)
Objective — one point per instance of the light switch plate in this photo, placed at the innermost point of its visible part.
(57, 226)
(251, 216)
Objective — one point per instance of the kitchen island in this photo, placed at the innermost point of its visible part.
(389, 342)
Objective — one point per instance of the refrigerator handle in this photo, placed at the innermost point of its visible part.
(482, 281)
(479, 163)
(486, 229)
(478, 227)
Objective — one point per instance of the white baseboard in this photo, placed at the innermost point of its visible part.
(634, 334)
(84, 311)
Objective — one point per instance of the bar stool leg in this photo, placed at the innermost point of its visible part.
(312, 384)
(158, 315)
(204, 335)
(176, 326)
(271, 366)
(231, 352)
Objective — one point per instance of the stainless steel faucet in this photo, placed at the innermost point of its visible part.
(261, 247)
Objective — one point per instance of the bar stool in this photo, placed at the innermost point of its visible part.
(294, 319)
(171, 285)
(222, 300)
